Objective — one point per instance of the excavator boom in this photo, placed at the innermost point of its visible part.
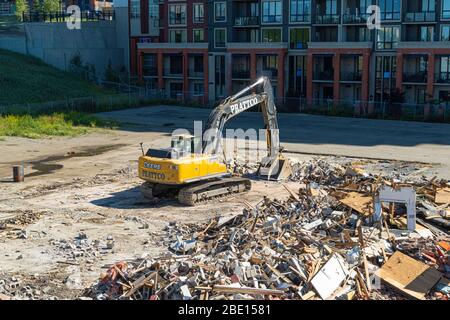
(197, 175)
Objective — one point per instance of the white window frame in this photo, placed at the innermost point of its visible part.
(271, 28)
(442, 12)
(193, 35)
(301, 22)
(226, 15)
(399, 37)
(185, 31)
(168, 14)
(193, 12)
(298, 26)
(262, 12)
(441, 32)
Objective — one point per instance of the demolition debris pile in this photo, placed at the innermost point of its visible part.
(323, 242)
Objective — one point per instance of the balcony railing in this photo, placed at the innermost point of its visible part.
(241, 74)
(246, 21)
(356, 18)
(328, 19)
(442, 77)
(300, 18)
(428, 16)
(415, 77)
(193, 73)
(326, 75)
(351, 76)
(270, 73)
(390, 16)
(150, 71)
(178, 72)
(298, 45)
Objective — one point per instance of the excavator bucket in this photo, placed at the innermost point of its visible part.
(277, 170)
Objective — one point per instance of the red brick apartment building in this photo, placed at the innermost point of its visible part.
(313, 50)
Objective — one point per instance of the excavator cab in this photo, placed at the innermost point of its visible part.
(182, 145)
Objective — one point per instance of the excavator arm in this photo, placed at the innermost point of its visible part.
(237, 104)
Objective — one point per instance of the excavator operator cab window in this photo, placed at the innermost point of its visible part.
(183, 146)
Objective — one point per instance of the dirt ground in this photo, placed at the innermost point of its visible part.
(86, 188)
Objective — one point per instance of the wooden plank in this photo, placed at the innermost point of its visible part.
(247, 290)
(358, 202)
(411, 277)
(136, 285)
(442, 196)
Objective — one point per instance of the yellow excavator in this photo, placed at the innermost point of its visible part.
(191, 170)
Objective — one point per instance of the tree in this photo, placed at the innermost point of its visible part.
(37, 6)
(110, 74)
(50, 6)
(21, 7)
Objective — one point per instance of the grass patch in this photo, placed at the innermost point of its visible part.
(25, 79)
(56, 124)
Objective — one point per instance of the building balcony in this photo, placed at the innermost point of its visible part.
(415, 77)
(257, 45)
(442, 77)
(420, 16)
(246, 21)
(298, 45)
(325, 75)
(355, 18)
(173, 72)
(351, 76)
(240, 74)
(328, 19)
(300, 18)
(270, 73)
(193, 73)
(150, 71)
(173, 45)
(340, 45)
(425, 45)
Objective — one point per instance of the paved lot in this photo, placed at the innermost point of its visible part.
(380, 139)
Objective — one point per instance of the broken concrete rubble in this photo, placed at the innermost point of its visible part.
(320, 243)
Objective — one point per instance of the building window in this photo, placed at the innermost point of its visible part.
(299, 38)
(271, 35)
(300, 11)
(445, 33)
(149, 68)
(177, 14)
(270, 66)
(199, 35)
(390, 9)
(135, 9)
(388, 38)
(386, 69)
(199, 13)
(428, 6)
(426, 33)
(198, 89)
(445, 9)
(177, 35)
(331, 7)
(220, 11)
(220, 36)
(272, 12)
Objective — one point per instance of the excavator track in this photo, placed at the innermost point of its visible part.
(207, 191)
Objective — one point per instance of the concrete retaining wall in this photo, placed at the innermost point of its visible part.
(96, 42)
